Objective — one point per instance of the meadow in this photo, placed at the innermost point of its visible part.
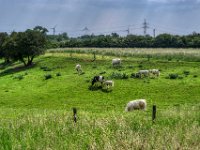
(36, 102)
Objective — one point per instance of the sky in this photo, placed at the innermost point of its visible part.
(101, 16)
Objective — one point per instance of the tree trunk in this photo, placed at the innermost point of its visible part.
(30, 61)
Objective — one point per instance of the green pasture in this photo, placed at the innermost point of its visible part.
(36, 113)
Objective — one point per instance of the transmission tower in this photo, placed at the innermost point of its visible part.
(54, 29)
(128, 31)
(85, 30)
(154, 33)
(145, 27)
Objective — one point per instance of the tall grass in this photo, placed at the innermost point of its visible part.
(175, 128)
(151, 53)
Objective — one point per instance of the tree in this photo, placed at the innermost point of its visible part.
(3, 53)
(41, 29)
(25, 46)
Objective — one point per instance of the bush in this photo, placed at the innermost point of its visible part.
(195, 76)
(135, 75)
(47, 76)
(116, 75)
(103, 72)
(173, 76)
(186, 73)
(58, 74)
(140, 65)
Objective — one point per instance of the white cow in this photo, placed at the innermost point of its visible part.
(78, 69)
(155, 72)
(143, 72)
(136, 104)
(108, 83)
(116, 62)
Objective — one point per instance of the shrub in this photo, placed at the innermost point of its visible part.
(47, 76)
(58, 74)
(173, 76)
(103, 72)
(169, 59)
(140, 65)
(124, 76)
(134, 75)
(116, 75)
(186, 73)
(195, 76)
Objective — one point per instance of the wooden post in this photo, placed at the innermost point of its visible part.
(75, 114)
(94, 56)
(154, 114)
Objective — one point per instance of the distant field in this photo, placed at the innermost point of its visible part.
(149, 53)
(37, 114)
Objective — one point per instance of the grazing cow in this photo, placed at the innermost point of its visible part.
(97, 79)
(155, 72)
(108, 83)
(136, 104)
(78, 68)
(143, 72)
(116, 62)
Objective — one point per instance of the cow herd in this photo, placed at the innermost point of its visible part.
(132, 105)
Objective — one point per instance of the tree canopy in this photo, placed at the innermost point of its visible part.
(23, 46)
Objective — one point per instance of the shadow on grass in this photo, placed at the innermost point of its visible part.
(15, 70)
(3, 65)
(82, 73)
(96, 88)
(106, 90)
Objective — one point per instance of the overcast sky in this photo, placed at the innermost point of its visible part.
(101, 16)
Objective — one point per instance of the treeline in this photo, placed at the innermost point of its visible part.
(131, 41)
(25, 46)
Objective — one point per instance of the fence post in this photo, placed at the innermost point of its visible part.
(94, 56)
(154, 114)
(75, 114)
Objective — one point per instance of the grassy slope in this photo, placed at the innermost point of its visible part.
(33, 100)
(70, 90)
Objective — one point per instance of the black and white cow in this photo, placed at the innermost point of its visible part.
(97, 79)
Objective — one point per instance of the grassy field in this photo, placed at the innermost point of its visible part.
(37, 114)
